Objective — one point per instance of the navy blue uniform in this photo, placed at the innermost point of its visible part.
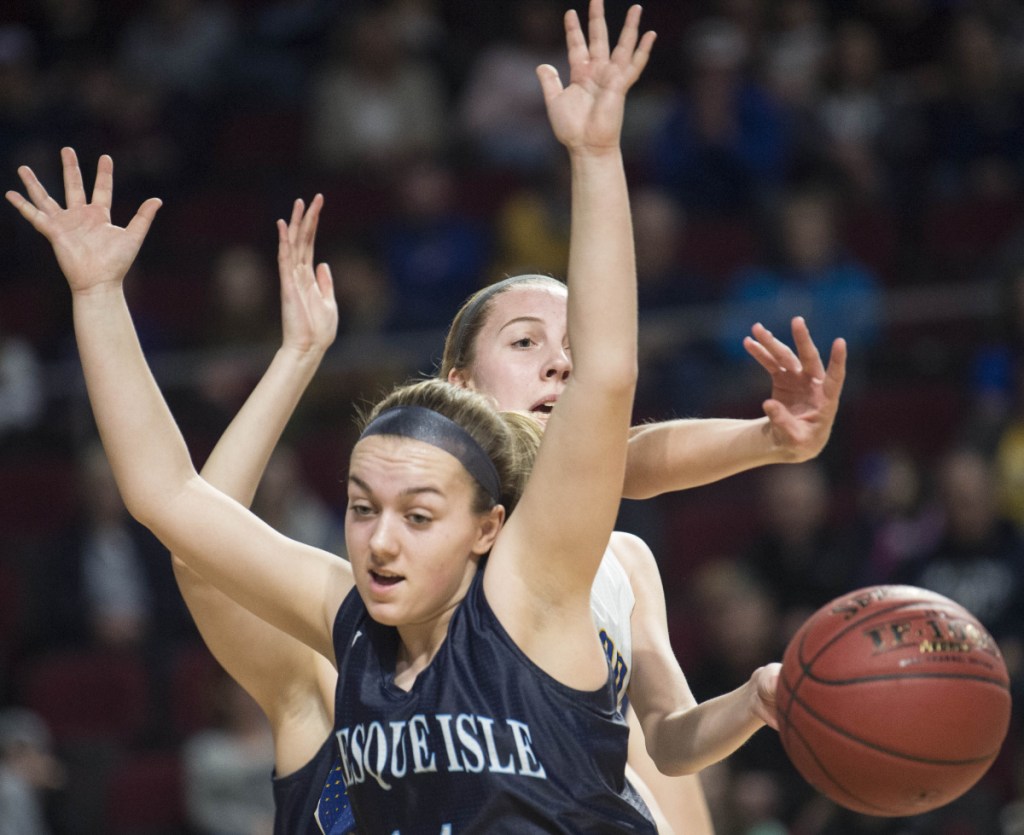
(298, 795)
(485, 741)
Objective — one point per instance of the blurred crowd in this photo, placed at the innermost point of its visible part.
(857, 162)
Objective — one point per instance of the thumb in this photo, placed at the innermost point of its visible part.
(773, 409)
(550, 83)
(143, 219)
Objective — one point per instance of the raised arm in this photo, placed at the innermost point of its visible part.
(284, 668)
(679, 454)
(293, 586)
(553, 543)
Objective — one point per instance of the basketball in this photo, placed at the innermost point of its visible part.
(892, 700)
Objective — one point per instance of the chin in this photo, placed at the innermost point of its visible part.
(384, 614)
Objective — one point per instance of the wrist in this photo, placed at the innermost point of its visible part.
(302, 356)
(99, 292)
(583, 154)
(772, 451)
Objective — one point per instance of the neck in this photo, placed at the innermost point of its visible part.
(419, 644)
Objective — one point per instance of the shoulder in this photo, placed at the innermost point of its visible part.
(636, 559)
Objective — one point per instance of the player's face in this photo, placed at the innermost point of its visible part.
(411, 533)
(522, 351)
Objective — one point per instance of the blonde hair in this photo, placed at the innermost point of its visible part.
(510, 440)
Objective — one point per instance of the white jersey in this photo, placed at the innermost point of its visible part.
(611, 604)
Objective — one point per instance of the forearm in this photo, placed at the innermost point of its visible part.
(603, 319)
(146, 450)
(692, 739)
(240, 457)
(680, 454)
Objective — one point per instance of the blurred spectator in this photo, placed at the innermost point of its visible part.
(676, 366)
(996, 389)
(363, 289)
(421, 28)
(372, 104)
(532, 224)
(793, 64)
(911, 33)
(178, 47)
(858, 111)
(501, 112)
(28, 771)
(738, 624)
(435, 254)
(799, 553)
(71, 31)
(243, 308)
(995, 375)
(896, 519)
(21, 385)
(227, 768)
(807, 272)
(737, 619)
(796, 51)
(289, 504)
(273, 56)
(722, 146)
(116, 113)
(976, 124)
(24, 97)
(106, 581)
(241, 316)
(979, 560)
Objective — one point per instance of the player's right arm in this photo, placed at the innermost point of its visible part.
(680, 454)
(291, 683)
(293, 586)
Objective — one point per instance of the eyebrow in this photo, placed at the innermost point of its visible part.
(408, 491)
(519, 319)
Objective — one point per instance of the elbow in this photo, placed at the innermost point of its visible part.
(153, 507)
(677, 767)
(671, 765)
(142, 507)
(619, 376)
(615, 371)
(625, 372)
(636, 487)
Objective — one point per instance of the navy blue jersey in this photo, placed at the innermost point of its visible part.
(312, 801)
(484, 742)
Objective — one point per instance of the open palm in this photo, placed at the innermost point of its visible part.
(588, 113)
(309, 312)
(91, 251)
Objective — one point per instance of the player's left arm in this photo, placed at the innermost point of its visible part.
(798, 418)
(681, 736)
(679, 801)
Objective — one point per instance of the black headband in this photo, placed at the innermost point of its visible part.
(433, 428)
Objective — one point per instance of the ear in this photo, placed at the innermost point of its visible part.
(458, 377)
(490, 524)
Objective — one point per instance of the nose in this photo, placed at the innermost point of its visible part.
(558, 365)
(383, 541)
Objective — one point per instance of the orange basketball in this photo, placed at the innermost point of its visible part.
(893, 700)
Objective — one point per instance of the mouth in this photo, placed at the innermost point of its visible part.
(385, 580)
(544, 407)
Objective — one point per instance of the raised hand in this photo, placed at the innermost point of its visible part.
(587, 115)
(805, 395)
(91, 251)
(309, 311)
